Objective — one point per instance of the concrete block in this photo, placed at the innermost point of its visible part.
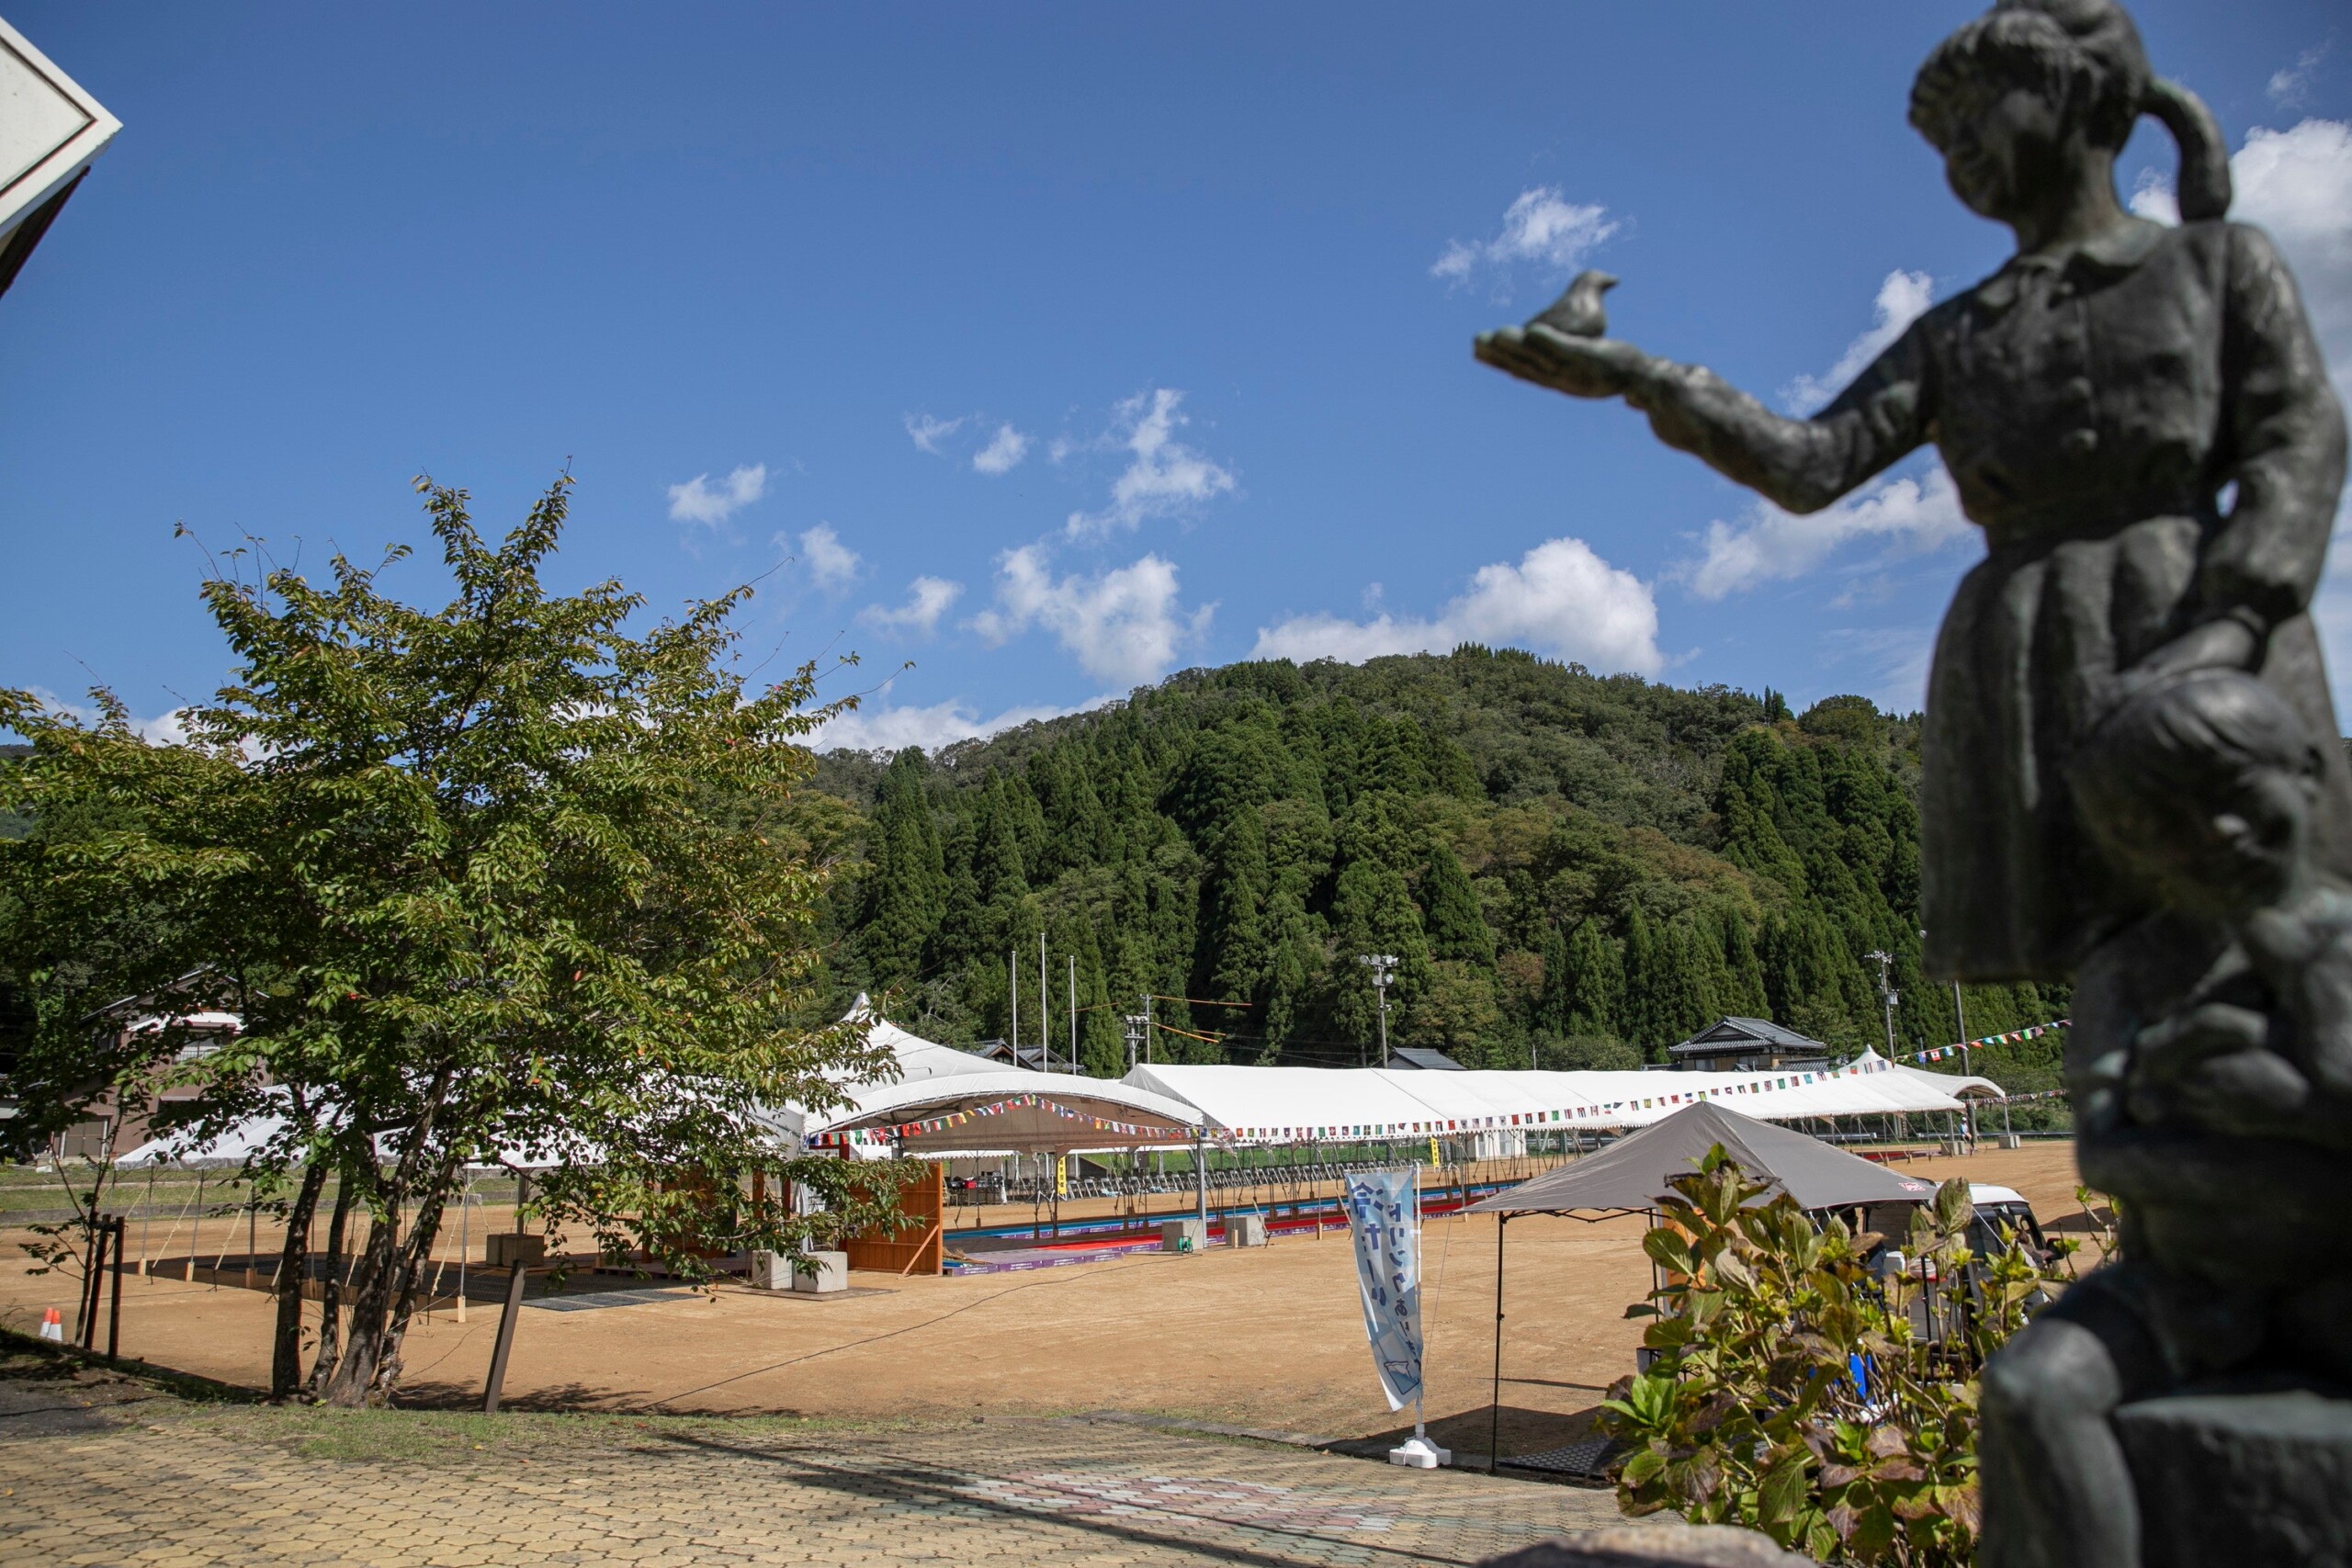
(777, 1272)
(1244, 1230)
(506, 1247)
(821, 1273)
(1183, 1236)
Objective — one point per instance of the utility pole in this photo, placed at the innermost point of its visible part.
(1133, 1021)
(1960, 1021)
(1885, 961)
(1384, 969)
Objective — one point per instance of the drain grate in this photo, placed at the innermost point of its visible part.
(1589, 1457)
(589, 1301)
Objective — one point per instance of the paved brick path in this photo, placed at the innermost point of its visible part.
(98, 1471)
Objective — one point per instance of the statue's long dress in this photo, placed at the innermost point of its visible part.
(2092, 414)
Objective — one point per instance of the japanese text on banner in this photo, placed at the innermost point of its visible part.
(1385, 1222)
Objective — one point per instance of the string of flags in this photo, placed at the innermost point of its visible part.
(1564, 1116)
(2009, 1038)
(867, 1137)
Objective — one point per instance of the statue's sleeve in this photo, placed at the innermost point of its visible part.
(1800, 464)
(2286, 444)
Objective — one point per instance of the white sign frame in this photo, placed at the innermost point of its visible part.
(45, 160)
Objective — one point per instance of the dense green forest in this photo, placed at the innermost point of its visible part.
(1573, 870)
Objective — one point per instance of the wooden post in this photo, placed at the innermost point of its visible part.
(114, 1313)
(101, 1232)
(497, 1380)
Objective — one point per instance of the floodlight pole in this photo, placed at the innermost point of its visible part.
(1073, 1012)
(1384, 969)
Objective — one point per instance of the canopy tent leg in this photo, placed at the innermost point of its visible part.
(1200, 1188)
(1495, 1398)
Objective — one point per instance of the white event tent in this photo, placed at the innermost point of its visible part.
(1278, 1105)
(946, 1102)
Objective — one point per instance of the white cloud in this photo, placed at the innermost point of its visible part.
(2296, 183)
(1902, 299)
(1004, 453)
(1542, 226)
(1918, 515)
(1163, 476)
(832, 564)
(1561, 599)
(698, 501)
(1123, 626)
(2291, 88)
(941, 724)
(168, 728)
(929, 433)
(927, 599)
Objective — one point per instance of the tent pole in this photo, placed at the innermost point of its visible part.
(1495, 1400)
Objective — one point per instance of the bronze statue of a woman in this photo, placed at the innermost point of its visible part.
(2131, 779)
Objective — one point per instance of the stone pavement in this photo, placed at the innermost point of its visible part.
(96, 1470)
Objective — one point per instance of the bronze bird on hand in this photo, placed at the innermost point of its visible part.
(1578, 313)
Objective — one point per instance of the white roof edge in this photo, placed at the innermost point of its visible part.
(55, 169)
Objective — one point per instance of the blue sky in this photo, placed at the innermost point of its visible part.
(1048, 348)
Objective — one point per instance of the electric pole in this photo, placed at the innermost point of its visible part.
(1133, 1021)
(1885, 961)
(1384, 969)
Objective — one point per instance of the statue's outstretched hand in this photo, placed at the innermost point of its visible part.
(1580, 367)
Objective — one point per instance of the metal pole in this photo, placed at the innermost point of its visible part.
(1012, 975)
(1495, 1400)
(464, 1238)
(1044, 1007)
(1073, 1012)
(1200, 1188)
(1383, 1023)
(1146, 1027)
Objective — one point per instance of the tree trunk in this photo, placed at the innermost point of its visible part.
(331, 1294)
(354, 1370)
(415, 1257)
(293, 1272)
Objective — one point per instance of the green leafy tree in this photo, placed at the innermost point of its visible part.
(906, 884)
(517, 896)
(1456, 926)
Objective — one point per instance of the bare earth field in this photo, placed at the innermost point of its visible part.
(1267, 1339)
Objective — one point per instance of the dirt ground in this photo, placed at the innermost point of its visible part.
(1270, 1339)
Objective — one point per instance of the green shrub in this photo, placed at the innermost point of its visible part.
(1750, 1412)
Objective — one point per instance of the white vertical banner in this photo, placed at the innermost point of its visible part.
(1384, 1221)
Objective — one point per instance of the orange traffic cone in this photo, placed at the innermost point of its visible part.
(53, 1325)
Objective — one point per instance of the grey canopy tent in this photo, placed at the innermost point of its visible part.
(1630, 1177)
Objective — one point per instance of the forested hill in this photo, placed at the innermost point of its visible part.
(1575, 871)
